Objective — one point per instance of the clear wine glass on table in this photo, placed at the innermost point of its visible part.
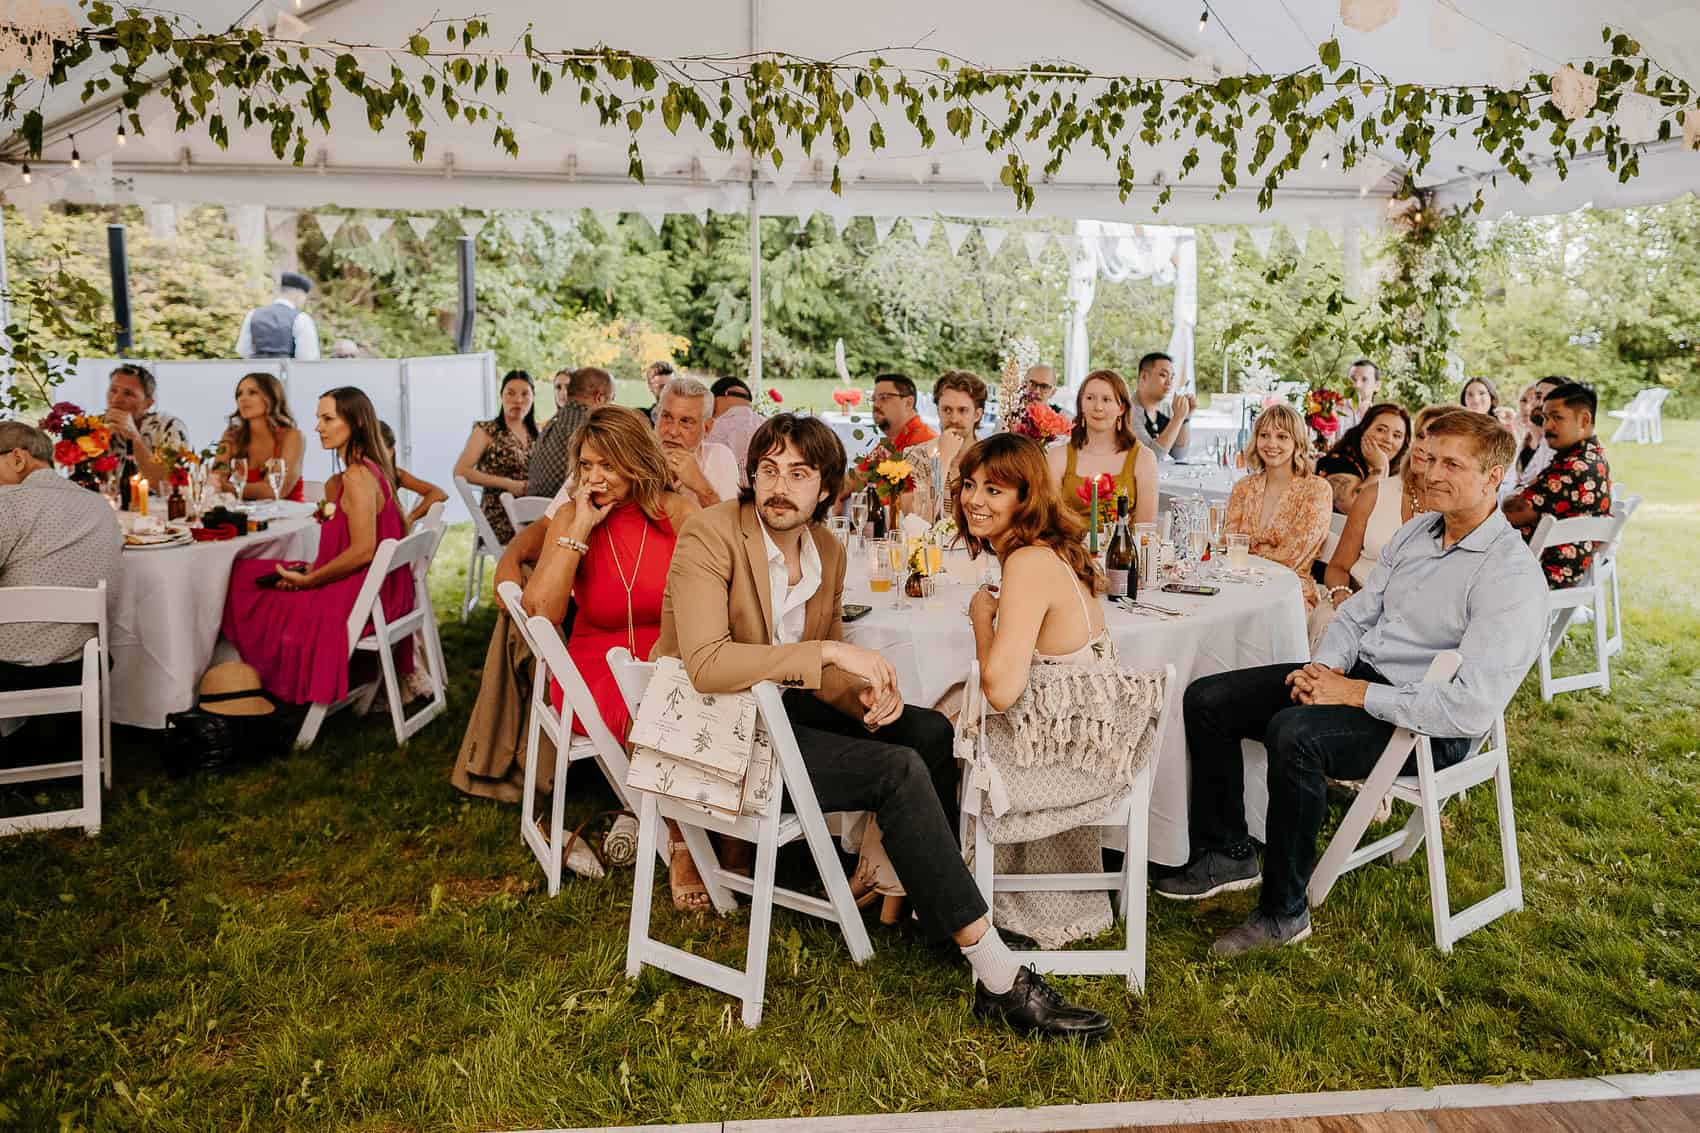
(858, 514)
(276, 469)
(238, 482)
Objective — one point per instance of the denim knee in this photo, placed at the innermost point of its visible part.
(1207, 696)
(1285, 739)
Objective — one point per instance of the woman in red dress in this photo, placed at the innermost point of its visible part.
(262, 429)
(609, 548)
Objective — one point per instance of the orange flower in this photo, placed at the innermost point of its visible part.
(90, 445)
(102, 436)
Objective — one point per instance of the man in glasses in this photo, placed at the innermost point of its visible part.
(894, 413)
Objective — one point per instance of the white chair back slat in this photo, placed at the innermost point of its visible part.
(1553, 532)
(523, 511)
(485, 545)
(67, 605)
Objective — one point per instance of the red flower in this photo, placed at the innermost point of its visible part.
(774, 394)
(1106, 488)
(104, 463)
(842, 397)
(180, 476)
(68, 452)
(855, 397)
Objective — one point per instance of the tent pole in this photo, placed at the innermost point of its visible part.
(755, 288)
(5, 312)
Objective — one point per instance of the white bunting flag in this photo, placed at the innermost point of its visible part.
(954, 235)
(1261, 238)
(559, 223)
(1072, 246)
(1512, 71)
(840, 221)
(994, 238)
(1300, 232)
(1035, 243)
(1637, 117)
(608, 219)
(376, 226)
(328, 223)
(882, 228)
(421, 226)
(717, 165)
(290, 27)
(1336, 229)
(472, 225)
(1225, 240)
(518, 226)
(785, 175)
(654, 218)
(923, 230)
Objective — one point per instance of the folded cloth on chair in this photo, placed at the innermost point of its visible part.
(709, 750)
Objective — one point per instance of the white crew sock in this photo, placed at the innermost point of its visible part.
(995, 966)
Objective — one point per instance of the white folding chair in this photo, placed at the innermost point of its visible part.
(91, 698)
(1656, 416)
(1632, 419)
(1130, 815)
(1427, 791)
(485, 545)
(523, 511)
(769, 831)
(412, 553)
(544, 641)
(1563, 603)
(1605, 568)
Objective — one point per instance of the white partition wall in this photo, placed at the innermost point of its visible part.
(431, 403)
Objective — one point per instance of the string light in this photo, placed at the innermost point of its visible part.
(76, 158)
(1203, 18)
(27, 177)
(121, 137)
(1325, 161)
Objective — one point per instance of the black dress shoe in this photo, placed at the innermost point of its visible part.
(1032, 1006)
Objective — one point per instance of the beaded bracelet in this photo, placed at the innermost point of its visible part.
(1332, 589)
(572, 544)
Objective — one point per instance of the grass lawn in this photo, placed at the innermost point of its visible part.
(340, 941)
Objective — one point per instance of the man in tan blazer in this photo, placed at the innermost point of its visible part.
(754, 593)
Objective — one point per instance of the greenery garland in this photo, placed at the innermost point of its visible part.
(753, 103)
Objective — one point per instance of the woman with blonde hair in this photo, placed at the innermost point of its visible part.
(261, 430)
(1103, 443)
(1283, 506)
(608, 548)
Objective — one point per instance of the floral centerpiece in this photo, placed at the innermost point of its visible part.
(891, 477)
(179, 460)
(82, 443)
(1101, 503)
(847, 399)
(1021, 410)
(1322, 414)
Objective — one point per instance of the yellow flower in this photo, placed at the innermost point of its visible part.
(894, 470)
(89, 445)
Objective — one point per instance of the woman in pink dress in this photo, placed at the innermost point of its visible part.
(289, 620)
(609, 547)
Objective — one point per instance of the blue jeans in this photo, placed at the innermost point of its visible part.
(1307, 744)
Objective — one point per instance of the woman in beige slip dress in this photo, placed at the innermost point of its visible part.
(1072, 727)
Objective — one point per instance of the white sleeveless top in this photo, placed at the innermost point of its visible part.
(1383, 522)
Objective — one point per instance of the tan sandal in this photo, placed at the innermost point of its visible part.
(690, 895)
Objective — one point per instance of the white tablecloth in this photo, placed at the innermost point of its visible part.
(931, 645)
(167, 610)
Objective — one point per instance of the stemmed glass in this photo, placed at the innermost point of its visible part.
(858, 515)
(275, 471)
(238, 482)
(897, 551)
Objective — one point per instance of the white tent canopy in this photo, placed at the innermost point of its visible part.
(567, 161)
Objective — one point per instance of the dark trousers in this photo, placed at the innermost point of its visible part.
(16, 678)
(905, 773)
(1307, 744)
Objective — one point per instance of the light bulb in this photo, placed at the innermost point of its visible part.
(1203, 18)
(76, 158)
(1417, 216)
(27, 177)
(121, 136)
(1325, 160)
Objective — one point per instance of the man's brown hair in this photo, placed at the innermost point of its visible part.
(962, 382)
(1493, 444)
(818, 445)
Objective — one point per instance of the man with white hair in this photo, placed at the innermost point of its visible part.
(52, 533)
(702, 469)
(282, 328)
(1042, 380)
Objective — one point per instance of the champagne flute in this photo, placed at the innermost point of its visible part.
(275, 471)
(238, 481)
(897, 553)
(858, 515)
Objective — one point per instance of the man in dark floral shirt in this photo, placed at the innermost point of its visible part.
(1576, 483)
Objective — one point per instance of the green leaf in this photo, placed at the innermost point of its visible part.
(1329, 53)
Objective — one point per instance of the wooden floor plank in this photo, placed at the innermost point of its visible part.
(1641, 1115)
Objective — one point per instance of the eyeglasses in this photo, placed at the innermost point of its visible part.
(798, 474)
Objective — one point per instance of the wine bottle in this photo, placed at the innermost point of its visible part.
(876, 514)
(1119, 561)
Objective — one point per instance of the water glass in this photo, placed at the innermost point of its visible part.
(879, 565)
(276, 469)
(859, 513)
(839, 525)
(1239, 552)
(238, 476)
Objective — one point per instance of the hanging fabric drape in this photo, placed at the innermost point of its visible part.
(1118, 252)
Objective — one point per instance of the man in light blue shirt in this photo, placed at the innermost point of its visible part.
(1458, 577)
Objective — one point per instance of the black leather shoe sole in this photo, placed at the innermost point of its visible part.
(1089, 1031)
(1223, 887)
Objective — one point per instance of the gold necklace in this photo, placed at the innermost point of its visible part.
(631, 628)
(1417, 507)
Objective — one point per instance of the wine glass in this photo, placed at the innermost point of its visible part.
(897, 553)
(858, 514)
(238, 481)
(275, 471)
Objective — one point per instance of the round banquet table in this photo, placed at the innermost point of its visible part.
(932, 645)
(1181, 481)
(169, 606)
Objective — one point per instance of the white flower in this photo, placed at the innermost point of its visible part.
(1637, 117)
(1691, 128)
(1573, 92)
(1367, 15)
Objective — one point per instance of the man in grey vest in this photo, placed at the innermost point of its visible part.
(281, 329)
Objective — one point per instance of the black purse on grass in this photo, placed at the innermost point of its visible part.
(200, 740)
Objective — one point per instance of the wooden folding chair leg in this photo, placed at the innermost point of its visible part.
(761, 919)
(643, 883)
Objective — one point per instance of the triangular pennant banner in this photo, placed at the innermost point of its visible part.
(1071, 245)
(954, 235)
(608, 219)
(882, 228)
(518, 226)
(558, 223)
(1300, 232)
(717, 165)
(472, 225)
(1261, 238)
(1225, 239)
(421, 225)
(923, 230)
(290, 27)
(840, 221)
(994, 238)
(1035, 242)
(655, 219)
(785, 175)
(1336, 230)
(328, 224)
(376, 226)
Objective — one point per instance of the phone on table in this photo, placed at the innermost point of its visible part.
(1190, 588)
(854, 610)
